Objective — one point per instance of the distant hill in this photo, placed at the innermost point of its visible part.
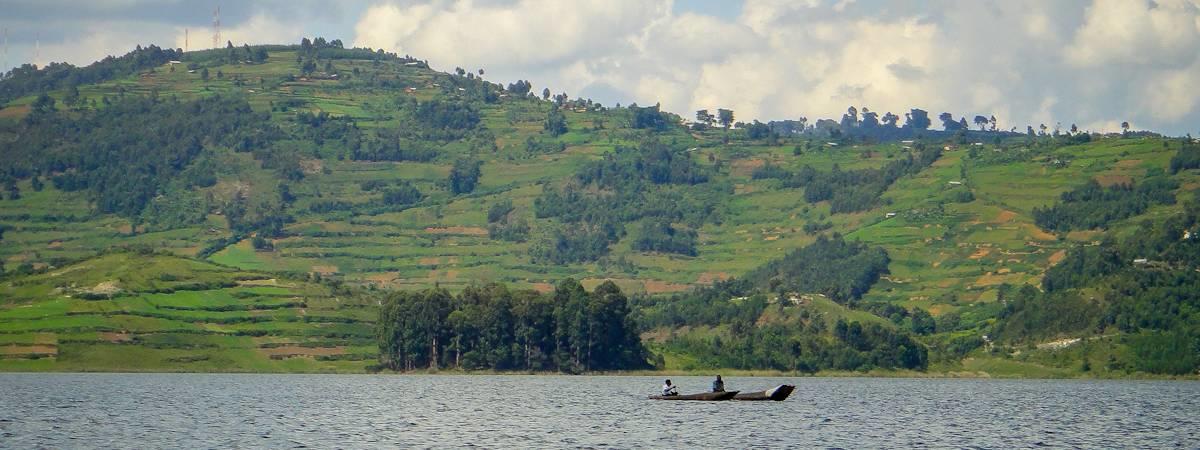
(1071, 252)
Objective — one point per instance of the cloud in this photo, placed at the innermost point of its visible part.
(1165, 33)
(526, 33)
(98, 40)
(1026, 61)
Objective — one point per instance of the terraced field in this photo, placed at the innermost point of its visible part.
(206, 299)
(131, 312)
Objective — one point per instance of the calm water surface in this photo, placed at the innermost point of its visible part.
(351, 411)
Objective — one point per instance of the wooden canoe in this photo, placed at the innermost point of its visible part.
(705, 397)
(777, 393)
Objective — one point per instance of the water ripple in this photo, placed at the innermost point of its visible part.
(367, 411)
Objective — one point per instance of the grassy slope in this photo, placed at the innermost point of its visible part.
(131, 312)
(942, 261)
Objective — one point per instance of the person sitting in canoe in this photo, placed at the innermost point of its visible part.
(718, 385)
(669, 389)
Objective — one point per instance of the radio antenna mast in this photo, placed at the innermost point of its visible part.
(4, 67)
(185, 40)
(217, 27)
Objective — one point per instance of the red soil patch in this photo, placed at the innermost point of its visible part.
(979, 254)
(1128, 163)
(543, 288)
(1038, 233)
(468, 231)
(712, 277)
(325, 270)
(15, 112)
(739, 189)
(745, 167)
(1005, 216)
(1057, 256)
(311, 166)
(430, 261)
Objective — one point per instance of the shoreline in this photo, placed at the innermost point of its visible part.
(914, 375)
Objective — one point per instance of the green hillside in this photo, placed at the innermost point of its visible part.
(154, 312)
(337, 166)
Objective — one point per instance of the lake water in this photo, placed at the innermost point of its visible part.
(357, 411)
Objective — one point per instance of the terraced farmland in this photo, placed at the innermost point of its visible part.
(133, 312)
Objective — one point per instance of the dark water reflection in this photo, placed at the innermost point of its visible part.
(349, 411)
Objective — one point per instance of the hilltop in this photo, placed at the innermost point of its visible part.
(337, 167)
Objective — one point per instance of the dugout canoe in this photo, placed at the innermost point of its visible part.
(704, 397)
(777, 393)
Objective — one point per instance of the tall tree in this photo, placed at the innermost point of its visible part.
(725, 117)
(464, 176)
(917, 119)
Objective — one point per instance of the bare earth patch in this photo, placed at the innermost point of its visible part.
(1005, 216)
(712, 277)
(1057, 257)
(739, 189)
(430, 261)
(311, 166)
(105, 288)
(386, 277)
(1038, 233)
(544, 288)
(468, 231)
(980, 253)
(1128, 163)
(15, 112)
(325, 270)
(990, 279)
(116, 337)
(745, 167)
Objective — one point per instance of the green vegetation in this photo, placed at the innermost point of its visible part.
(862, 245)
(131, 311)
(493, 328)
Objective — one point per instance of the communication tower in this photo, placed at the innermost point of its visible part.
(217, 27)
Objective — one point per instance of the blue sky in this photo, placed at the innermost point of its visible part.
(1094, 63)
